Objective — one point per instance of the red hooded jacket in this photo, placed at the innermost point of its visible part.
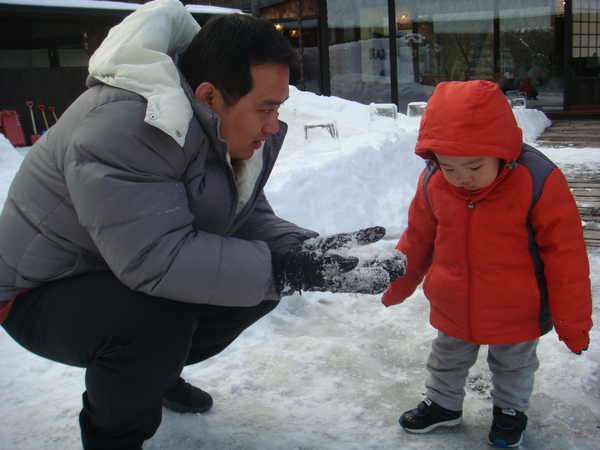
(504, 263)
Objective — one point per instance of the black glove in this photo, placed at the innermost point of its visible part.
(323, 264)
(337, 241)
(305, 270)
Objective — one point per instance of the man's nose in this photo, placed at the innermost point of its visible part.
(272, 125)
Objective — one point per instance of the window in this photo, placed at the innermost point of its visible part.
(359, 53)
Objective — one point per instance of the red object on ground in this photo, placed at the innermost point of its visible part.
(11, 127)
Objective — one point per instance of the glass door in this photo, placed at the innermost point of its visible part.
(585, 78)
(359, 50)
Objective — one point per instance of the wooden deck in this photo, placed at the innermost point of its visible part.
(575, 133)
(587, 197)
(585, 186)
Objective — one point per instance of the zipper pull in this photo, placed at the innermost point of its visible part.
(471, 205)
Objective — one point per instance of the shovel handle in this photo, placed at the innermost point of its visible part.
(52, 109)
(30, 106)
(42, 108)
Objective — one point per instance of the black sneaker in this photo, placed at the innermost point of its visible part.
(185, 398)
(507, 427)
(427, 416)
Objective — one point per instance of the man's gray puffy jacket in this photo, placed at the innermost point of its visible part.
(103, 190)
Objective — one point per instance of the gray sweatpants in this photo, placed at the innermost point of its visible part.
(513, 368)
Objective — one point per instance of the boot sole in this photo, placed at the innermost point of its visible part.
(502, 444)
(178, 407)
(447, 423)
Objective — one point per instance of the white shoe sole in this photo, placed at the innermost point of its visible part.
(447, 423)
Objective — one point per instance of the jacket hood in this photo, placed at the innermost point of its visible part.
(469, 118)
(137, 55)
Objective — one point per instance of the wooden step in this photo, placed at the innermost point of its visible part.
(580, 132)
(586, 192)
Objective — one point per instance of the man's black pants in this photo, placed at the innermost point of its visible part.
(133, 346)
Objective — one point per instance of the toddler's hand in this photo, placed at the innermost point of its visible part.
(578, 345)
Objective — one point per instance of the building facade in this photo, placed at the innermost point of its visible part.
(370, 51)
(397, 51)
(45, 46)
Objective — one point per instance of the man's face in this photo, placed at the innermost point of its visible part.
(470, 173)
(250, 121)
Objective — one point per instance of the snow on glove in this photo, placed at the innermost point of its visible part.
(344, 241)
(579, 344)
(308, 270)
(394, 263)
(325, 263)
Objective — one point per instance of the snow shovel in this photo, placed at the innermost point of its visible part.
(52, 109)
(42, 108)
(35, 136)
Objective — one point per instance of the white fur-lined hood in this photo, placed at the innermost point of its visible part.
(137, 55)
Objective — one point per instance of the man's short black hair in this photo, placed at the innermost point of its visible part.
(227, 46)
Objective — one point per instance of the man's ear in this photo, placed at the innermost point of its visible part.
(206, 93)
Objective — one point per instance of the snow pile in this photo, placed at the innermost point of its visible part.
(10, 160)
(327, 371)
(532, 122)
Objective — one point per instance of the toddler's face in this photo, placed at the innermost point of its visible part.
(470, 173)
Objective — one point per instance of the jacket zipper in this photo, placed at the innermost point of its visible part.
(470, 206)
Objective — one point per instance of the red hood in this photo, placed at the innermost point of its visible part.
(469, 118)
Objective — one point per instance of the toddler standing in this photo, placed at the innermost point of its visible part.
(496, 234)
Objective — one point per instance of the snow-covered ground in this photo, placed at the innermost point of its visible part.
(326, 371)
